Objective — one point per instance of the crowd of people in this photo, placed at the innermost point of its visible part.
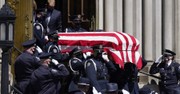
(43, 69)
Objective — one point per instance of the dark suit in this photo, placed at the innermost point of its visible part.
(25, 64)
(55, 21)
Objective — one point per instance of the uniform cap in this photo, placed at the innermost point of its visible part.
(169, 52)
(45, 55)
(29, 43)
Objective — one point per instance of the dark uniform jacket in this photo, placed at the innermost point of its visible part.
(25, 64)
(97, 72)
(53, 48)
(77, 67)
(46, 80)
(170, 75)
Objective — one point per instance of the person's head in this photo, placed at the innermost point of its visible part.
(30, 46)
(168, 55)
(97, 51)
(76, 20)
(53, 37)
(77, 52)
(51, 4)
(112, 88)
(45, 58)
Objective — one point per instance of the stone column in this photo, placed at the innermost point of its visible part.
(109, 15)
(168, 24)
(158, 28)
(100, 14)
(118, 15)
(2, 3)
(148, 29)
(138, 22)
(129, 16)
(177, 30)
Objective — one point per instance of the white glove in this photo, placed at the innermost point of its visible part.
(39, 49)
(105, 56)
(159, 59)
(95, 91)
(55, 62)
(125, 91)
(46, 38)
(86, 55)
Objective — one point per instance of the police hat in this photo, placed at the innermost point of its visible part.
(169, 52)
(45, 55)
(75, 51)
(53, 35)
(76, 18)
(29, 43)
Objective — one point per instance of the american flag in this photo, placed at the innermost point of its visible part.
(122, 47)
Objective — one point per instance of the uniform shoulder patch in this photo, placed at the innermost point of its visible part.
(88, 64)
(74, 61)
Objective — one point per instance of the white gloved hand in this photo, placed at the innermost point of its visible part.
(95, 91)
(105, 56)
(125, 91)
(55, 62)
(39, 49)
(46, 38)
(159, 59)
(86, 55)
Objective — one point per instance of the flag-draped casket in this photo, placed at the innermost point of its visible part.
(122, 47)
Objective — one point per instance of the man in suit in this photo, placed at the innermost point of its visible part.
(53, 18)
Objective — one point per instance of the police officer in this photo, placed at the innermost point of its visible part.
(96, 69)
(25, 64)
(76, 24)
(169, 71)
(38, 28)
(46, 79)
(52, 46)
(76, 64)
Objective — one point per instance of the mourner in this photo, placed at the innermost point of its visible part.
(169, 71)
(53, 21)
(76, 64)
(46, 79)
(25, 64)
(96, 69)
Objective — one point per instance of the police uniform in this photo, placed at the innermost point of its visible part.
(53, 47)
(97, 70)
(76, 25)
(46, 80)
(77, 68)
(25, 64)
(39, 34)
(170, 74)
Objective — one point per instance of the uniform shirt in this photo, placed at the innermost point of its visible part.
(53, 48)
(169, 74)
(97, 72)
(25, 64)
(46, 80)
